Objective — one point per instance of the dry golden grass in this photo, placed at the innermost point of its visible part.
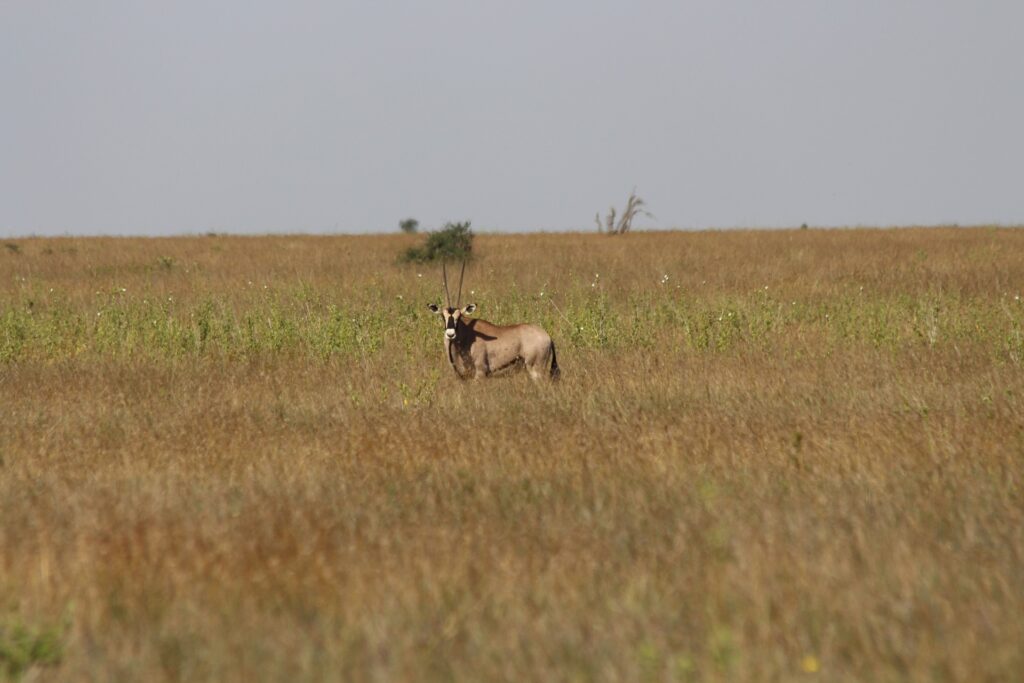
(797, 457)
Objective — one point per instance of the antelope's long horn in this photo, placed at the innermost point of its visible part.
(459, 302)
(444, 273)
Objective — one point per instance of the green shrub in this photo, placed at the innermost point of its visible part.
(452, 242)
(409, 225)
(24, 647)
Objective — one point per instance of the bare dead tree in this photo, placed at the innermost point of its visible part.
(634, 207)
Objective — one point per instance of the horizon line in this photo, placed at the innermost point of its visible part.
(508, 232)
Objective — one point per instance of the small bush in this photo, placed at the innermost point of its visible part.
(452, 242)
(23, 647)
(409, 225)
(13, 247)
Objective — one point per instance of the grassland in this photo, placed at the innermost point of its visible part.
(773, 456)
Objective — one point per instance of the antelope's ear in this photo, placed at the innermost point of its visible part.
(469, 309)
(434, 308)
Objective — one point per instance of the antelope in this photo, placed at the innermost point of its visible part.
(477, 349)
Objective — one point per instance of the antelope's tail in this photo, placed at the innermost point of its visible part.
(555, 371)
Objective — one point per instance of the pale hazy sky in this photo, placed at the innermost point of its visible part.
(249, 116)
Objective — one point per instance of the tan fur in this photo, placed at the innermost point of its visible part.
(482, 349)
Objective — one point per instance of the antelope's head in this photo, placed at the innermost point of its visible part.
(453, 318)
(452, 315)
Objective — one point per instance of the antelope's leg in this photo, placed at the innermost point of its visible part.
(537, 363)
(482, 367)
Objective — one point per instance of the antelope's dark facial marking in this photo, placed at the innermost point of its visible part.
(451, 316)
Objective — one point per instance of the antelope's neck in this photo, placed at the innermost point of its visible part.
(456, 357)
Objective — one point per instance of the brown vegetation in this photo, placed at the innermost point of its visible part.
(773, 456)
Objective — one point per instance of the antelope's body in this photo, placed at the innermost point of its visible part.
(477, 349)
(481, 349)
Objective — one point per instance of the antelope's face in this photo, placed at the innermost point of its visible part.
(453, 318)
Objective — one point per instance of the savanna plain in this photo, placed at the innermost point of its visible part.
(772, 456)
